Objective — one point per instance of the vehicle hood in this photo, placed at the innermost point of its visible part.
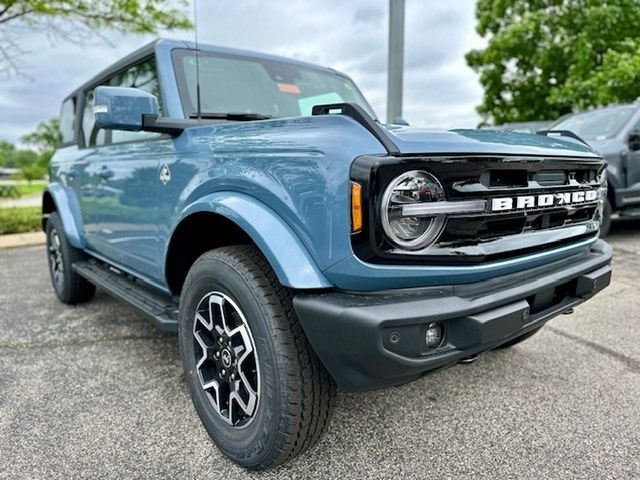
(410, 140)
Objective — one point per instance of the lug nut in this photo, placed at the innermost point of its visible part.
(217, 354)
(223, 372)
(233, 376)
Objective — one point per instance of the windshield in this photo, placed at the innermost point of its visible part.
(233, 84)
(596, 125)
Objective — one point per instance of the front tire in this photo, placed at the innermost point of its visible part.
(70, 287)
(259, 389)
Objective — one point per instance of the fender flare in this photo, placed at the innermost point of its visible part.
(68, 210)
(283, 249)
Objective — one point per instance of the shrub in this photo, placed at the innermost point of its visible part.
(20, 220)
(9, 191)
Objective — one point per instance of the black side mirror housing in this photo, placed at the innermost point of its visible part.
(634, 140)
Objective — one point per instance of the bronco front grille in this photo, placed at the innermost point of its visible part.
(489, 235)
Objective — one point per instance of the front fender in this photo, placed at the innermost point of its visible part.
(291, 262)
(68, 210)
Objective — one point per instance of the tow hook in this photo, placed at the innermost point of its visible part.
(468, 360)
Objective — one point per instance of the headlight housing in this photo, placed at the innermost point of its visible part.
(411, 232)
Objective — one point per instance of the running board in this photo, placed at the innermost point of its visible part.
(161, 308)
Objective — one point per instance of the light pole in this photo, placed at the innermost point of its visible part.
(396, 60)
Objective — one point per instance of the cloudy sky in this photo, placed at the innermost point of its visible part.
(351, 36)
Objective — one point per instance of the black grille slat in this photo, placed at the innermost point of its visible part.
(467, 177)
(551, 178)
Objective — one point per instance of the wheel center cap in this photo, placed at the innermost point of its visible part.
(226, 358)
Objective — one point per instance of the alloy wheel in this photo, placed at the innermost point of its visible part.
(226, 359)
(55, 259)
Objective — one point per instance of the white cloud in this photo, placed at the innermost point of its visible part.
(439, 89)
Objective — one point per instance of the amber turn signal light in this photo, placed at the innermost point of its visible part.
(356, 207)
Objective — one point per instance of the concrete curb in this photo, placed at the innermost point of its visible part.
(22, 239)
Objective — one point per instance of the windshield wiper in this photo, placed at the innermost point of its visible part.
(230, 116)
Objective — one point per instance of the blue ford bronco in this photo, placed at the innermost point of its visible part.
(255, 206)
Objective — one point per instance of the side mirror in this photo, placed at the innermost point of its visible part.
(634, 140)
(120, 108)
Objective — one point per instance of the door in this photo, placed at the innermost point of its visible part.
(120, 183)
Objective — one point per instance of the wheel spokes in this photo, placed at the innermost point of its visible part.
(55, 258)
(227, 364)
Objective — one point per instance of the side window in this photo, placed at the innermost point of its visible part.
(68, 120)
(142, 76)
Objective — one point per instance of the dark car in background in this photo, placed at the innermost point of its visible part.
(614, 132)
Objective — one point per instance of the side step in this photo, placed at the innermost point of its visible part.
(161, 308)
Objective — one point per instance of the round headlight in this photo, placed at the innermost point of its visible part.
(411, 233)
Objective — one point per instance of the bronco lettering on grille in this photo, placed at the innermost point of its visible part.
(543, 201)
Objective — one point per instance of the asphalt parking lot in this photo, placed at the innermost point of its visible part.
(95, 391)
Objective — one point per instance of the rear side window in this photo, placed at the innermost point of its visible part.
(68, 121)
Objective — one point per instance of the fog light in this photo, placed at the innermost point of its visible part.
(433, 335)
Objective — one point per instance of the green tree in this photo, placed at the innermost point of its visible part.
(24, 158)
(6, 153)
(545, 58)
(45, 137)
(33, 172)
(82, 20)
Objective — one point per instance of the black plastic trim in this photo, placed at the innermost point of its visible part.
(170, 126)
(161, 308)
(351, 332)
(562, 133)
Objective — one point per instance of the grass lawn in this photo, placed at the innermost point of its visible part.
(21, 188)
(26, 190)
(20, 220)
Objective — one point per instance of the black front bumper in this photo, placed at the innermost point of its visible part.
(376, 340)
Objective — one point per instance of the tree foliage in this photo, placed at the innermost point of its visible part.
(82, 20)
(545, 58)
(45, 137)
(33, 162)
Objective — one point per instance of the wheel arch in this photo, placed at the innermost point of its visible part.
(230, 218)
(55, 199)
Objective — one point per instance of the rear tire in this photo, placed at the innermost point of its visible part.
(70, 287)
(518, 340)
(233, 289)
